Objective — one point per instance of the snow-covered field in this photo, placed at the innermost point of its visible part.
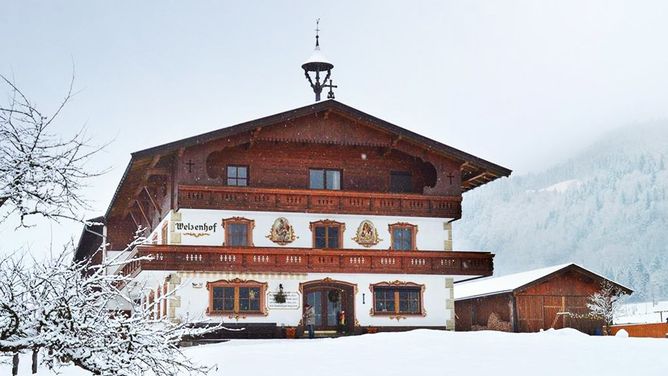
(430, 352)
(639, 313)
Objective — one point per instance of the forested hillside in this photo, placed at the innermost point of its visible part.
(605, 208)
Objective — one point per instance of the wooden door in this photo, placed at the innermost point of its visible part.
(326, 307)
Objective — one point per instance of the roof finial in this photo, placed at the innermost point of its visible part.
(318, 64)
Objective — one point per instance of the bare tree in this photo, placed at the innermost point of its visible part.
(40, 173)
(62, 307)
(66, 309)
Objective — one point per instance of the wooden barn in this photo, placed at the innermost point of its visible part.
(552, 297)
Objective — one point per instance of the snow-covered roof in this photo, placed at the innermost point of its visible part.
(508, 283)
(317, 57)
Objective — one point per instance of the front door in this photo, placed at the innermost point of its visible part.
(327, 304)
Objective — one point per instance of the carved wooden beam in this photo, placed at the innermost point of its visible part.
(476, 177)
(158, 171)
(155, 161)
(137, 224)
(253, 137)
(393, 145)
(150, 198)
(467, 166)
(143, 213)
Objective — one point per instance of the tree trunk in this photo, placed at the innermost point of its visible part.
(15, 364)
(34, 360)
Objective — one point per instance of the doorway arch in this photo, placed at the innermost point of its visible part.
(329, 297)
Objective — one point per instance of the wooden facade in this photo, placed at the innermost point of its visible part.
(278, 152)
(537, 305)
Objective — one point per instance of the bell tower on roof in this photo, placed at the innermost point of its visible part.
(319, 65)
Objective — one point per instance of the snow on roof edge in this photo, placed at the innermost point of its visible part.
(509, 282)
(500, 284)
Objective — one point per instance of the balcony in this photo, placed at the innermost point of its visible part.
(318, 201)
(307, 260)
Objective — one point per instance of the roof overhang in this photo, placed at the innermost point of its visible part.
(475, 171)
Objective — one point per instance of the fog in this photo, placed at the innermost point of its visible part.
(521, 83)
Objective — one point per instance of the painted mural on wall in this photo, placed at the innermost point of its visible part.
(282, 232)
(367, 235)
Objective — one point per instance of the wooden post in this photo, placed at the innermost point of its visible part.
(35, 350)
(513, 313)
(15, 364)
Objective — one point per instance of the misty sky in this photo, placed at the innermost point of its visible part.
(520, 83)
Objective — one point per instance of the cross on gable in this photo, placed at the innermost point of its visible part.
(190, 165)
(451, 176)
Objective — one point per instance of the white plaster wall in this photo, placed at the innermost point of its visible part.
(155, 236)
(193, 301)
(431, 233)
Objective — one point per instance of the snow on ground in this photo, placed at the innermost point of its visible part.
(639, 313)
(432, 352)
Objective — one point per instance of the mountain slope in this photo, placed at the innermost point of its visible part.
(606, 208)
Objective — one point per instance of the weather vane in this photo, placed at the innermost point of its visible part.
(318, 64)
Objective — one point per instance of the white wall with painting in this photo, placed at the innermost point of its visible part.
(204, 227)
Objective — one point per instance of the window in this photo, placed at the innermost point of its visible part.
(238, 232)
(324, 179)
(237, 175)
(401, 182)
(327, 234)
(397, 298)
(403, 236)
(236, 297)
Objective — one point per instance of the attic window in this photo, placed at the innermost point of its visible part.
(237, 175)
(324, 179)
(401, 182)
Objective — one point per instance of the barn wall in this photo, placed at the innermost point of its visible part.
(474, 314)
(538, 306)
(463, 315)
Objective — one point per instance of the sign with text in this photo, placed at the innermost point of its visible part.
(292, 300)
(195, 229)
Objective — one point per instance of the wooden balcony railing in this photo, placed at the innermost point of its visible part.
(274, 259)
(318, 201)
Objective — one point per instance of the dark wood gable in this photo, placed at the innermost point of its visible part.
(281, 155)
(277, 153)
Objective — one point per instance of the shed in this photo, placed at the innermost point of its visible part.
(551, 297)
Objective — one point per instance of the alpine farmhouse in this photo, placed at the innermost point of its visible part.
(322, 204)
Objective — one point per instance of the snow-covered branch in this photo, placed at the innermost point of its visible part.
(40, 173)
(605, 302)
(67, 310)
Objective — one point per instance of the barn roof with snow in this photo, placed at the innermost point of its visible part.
(517, 281)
